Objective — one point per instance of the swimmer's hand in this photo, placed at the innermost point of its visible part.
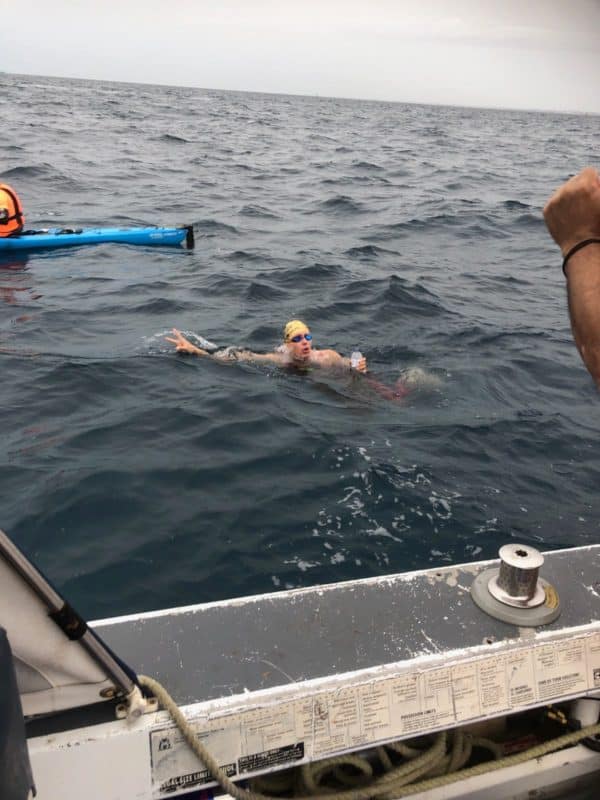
(361, 366)
(183, 345)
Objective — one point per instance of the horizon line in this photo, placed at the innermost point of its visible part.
(298, 94)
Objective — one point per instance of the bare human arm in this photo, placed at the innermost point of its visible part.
(331, 358)
(183, 345)
(248, 355)
(572, 215)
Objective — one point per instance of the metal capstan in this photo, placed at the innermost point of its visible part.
(514, 591)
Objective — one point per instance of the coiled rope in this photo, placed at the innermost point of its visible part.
(441, 767)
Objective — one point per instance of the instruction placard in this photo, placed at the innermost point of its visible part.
(354, 716)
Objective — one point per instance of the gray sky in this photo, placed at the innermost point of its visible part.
(536, 54)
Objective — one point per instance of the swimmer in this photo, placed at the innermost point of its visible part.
(296, 351)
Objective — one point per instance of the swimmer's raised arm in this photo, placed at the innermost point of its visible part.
(248, 355)
(183, 345)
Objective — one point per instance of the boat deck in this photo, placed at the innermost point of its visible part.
(256, 643)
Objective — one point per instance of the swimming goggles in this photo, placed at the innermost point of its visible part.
(300, 336)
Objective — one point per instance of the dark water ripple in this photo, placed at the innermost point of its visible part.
(140, 480)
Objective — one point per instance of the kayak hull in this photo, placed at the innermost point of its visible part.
(60, 237)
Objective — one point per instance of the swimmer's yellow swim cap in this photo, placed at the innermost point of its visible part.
(293, 328)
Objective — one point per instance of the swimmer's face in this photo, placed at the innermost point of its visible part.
(299, 346)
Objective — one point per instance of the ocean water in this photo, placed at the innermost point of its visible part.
(138, 479)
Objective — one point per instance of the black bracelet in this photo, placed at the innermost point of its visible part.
(575, 248)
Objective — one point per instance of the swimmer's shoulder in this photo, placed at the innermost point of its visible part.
(327, 357)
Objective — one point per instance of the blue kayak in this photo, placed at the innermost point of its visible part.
(68, 237)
